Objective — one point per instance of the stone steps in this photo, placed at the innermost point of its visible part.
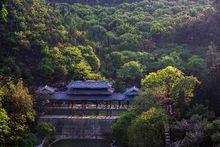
(167, 135)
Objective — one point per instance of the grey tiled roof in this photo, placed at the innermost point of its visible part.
(45, 90)
(89, 85)
(89, 92)
(132, 91)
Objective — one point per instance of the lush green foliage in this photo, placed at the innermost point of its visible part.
(121, 127)
(95, 2)
(201, 110)
(147, 129)
(4, 128)
(212, 131)
(150, 27)
(29, 140)
(173, 84)
(129, 129)
(130, 73)
(198, 130)
(17, 114)
(146, 114)
(211, 88)
(196, 126)
(146, 100)
(45, 44)
(45, 129)
(124, 27)
(37, 45)
(158, 30)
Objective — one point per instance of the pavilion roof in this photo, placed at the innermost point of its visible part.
(45, 90)
(89, 85)
(132, 91)
(89, 92)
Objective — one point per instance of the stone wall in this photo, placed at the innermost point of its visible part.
(81, 128)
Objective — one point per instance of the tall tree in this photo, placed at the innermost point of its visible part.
(18, 106)
(131, 73)
(173, 83)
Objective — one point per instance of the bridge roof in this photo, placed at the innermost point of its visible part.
(89, 92)
(89, 85)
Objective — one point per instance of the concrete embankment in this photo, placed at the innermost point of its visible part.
(68, 127)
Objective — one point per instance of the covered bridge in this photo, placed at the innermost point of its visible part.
(82, 97)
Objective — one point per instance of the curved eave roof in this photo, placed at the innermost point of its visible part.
(132, 91)
(45, 90)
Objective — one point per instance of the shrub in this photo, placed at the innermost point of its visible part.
(45, 129)
(147, 129)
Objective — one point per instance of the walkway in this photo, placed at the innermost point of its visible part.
(78, 117)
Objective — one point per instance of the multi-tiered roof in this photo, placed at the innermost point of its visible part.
(89, 88)
(92, 91)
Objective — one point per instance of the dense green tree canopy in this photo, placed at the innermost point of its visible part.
(17, 113)
(131, 72)
(173, 84)
(148, 27)
(120, 128)
(43, 43)
(4, 125)
(145, 26)
(38, 45)
(169, 80)
(197, 66)
(147, 129)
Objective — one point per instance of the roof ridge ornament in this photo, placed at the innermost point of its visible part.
(132, 91)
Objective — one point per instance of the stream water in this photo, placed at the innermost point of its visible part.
(81, 143)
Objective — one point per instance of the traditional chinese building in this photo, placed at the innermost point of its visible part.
(84, 98)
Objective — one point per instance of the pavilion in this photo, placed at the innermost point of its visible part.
(84, 98)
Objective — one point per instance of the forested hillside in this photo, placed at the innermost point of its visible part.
(38, 46)
(94, 2)
(58, 43)
(170, 44)
(148, 35)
